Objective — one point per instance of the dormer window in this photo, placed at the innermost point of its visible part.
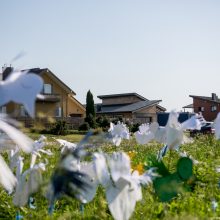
(47, 89)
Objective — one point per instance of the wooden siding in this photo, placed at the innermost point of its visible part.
(120, 100)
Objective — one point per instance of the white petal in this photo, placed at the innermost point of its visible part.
(143, 138)
(217, 126)
(119, 165)
(24, 142)
(192, 124)
(21, 88)
(101, 169)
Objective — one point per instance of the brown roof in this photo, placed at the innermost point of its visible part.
(39, 71)
(213, 98)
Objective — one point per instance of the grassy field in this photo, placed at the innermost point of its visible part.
(189, 205)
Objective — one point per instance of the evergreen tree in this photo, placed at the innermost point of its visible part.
(90, 110)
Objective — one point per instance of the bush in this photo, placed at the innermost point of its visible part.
(90, 119)
(84, 127)
(59, 128)
(134, 127)
(103, 122)
(116, 120)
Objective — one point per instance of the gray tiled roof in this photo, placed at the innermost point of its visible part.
(128, 108)
(188, 106)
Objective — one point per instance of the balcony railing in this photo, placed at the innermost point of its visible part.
(49, 98)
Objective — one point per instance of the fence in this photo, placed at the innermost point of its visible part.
(47, 123)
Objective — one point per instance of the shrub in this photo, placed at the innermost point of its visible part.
(59, 128)
(134, 127)
(103, 122)
(84, 127)
(90, 119)
(115, 120)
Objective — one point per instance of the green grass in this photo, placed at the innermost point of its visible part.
(189, 205)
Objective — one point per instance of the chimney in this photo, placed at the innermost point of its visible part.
(214, 97)
(6, 71)
(4, 67)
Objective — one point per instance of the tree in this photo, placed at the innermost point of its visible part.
(90, 110)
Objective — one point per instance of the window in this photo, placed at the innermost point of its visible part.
(213, 108)
(201, 109)
(47, 89)
(3, 109)
(58, 112)
(23, 112)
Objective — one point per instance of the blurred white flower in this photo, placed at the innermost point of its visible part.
(38, 145)
(7, 178)
(217, 126)
(66, 145)
(22, 88)
(194, 123)
(144, 135)
(20, 139)
(214, 205)
(29, 182)
(118, 132)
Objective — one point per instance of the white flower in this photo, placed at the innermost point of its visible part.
(217, 126)
(28, 183)
(123, 188)
(21, 88)
(118, 132)
(38, 145)
(194, 123)
(7, 179)
(22, 141)
(214, 205)
(66, 145)
(144, 135)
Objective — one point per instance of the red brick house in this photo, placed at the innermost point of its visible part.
(209, 106)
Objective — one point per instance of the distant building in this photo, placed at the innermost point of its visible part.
(129, 106)
(59, 101)
(208, 106)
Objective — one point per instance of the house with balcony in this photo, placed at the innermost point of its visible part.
(59, 101)
(129, 106)
(209, 106)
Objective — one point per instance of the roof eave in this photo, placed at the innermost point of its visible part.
(147, 106)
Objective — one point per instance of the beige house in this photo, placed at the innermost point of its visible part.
(129, 106)
(59, 101)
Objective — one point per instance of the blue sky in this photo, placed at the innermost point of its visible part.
(161, 49)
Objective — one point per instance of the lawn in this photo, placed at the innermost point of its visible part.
(194, 204)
